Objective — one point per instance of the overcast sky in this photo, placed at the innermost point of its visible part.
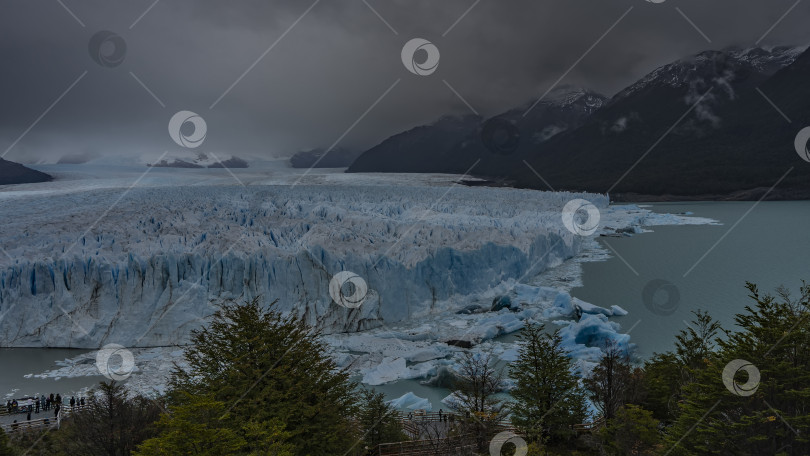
(329, 63)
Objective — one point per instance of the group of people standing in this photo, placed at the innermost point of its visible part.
(44, 403)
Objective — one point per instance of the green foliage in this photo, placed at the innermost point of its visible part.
(667, 374)
(547, 397)
(662, 381)
(268, 369)
(379, 422)
(633, 431)
(695, 344)
(773, 336)
(5, 449)
(201, 426)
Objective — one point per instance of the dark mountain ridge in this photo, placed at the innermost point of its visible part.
(15, 173)
(697, 128)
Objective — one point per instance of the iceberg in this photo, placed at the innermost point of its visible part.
(410, 401)
(393, 369)
(585, 339)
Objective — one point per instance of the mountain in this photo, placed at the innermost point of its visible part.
(15, 173)
(338, 157)
(418, 150)
(199, 160)
(455, 144)
(696, 128)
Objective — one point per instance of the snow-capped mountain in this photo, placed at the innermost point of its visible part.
(769, 60)
(708, 67)
(705, 127)
(198, 160)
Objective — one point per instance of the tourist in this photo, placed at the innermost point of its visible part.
(81, 401)
(58, 399)
(14, 406)
(28, 418)
(72, 401)
(36, 405)
(56, 411)
(440, 414)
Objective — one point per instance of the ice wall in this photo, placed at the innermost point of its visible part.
(141, 268)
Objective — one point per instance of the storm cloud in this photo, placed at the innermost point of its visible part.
(272, 77)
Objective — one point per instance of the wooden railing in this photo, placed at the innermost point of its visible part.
(436, 447)
(48, 421)
(589, 427)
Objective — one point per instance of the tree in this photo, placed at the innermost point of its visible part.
(547, 398)
(610, 381)
(5, 449)
(197, 427)
(762, 405)
(379, 422)
(113, 424)
(663, 381)
(667, 374)
(474, 391)
(633, 431)
(268, 369)
(696, 343)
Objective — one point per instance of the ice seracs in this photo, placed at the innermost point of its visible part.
(145, 273)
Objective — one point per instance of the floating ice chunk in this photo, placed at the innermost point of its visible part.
(343, 359)
(389, 370)
(509, 355)
(452, 401)
(410, 401)
(393, 369)
(494, 326)
(589, 308)
(618, 311)
(561, 307)
(586, 338)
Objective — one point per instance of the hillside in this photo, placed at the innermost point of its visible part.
(15, 173)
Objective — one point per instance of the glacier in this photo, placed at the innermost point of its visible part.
(141, 260)
(143, 266)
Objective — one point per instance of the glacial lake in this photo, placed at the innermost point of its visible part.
(767, 244)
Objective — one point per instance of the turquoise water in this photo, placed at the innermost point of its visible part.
(769, 246)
